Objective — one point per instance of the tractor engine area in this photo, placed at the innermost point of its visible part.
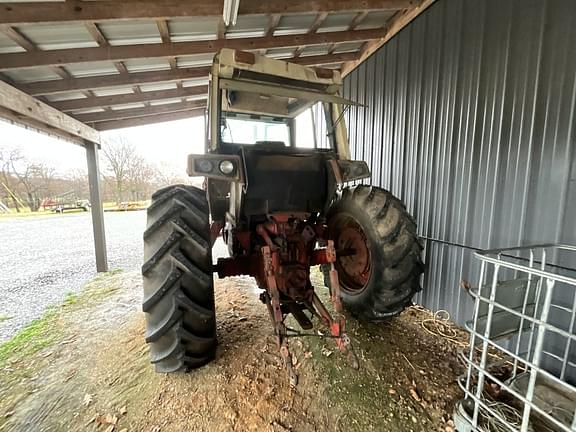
(279, 254)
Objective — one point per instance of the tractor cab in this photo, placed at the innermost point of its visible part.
(262, 143)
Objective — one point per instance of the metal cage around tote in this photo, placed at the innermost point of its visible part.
(521, 360)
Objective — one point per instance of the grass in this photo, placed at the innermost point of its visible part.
(37, 335)
(48, 329)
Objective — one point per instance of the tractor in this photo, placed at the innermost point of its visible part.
(284, 197)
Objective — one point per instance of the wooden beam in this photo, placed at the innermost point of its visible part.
(357, 20)
(25, 43)
(115, 53)
(273, 21)
(139, 112)
(142, 121)
(164, 30)
(400, 21)
(96, 34)
(18, 13)
(18, 37)
(221, 31)
(320, 18)
(28, 123)
(104, 101)
(120, 67)
(25, 105)
(76, 84)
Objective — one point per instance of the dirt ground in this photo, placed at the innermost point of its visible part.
(95, 376)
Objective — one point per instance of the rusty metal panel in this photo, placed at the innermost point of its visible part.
(470, 119)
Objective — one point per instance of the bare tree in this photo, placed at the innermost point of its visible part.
(119, 156)
(168, 174)
(8, 159)
(140, 178)
(78, 181)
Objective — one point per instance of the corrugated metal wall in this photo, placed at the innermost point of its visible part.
(470, 120)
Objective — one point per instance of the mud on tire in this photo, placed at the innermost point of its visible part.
(177, 277)
(381, 272)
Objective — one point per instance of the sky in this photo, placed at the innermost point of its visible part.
(162, 143)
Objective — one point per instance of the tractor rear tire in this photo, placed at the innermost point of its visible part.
(177, 278)
(378, 252)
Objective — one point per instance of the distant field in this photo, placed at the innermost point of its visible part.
(26, 212)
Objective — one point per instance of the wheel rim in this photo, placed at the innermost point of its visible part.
(353, 258)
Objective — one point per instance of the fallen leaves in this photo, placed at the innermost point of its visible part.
(110, 419)
(415, 394)
(87, 399)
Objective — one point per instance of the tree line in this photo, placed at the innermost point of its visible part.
(126, 175)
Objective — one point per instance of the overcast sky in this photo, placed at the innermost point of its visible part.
(168, 143)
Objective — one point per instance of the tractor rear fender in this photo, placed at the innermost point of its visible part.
(348, 170)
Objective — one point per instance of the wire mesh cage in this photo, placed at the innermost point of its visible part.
(521, 360)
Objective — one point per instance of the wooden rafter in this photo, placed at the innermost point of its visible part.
(115, 53)
(400, 21)
(318, 21)
(96, 34)
(139, 112)
(104, 101)
(146, 120)
(25, 43)
(273, 21)
(18, 13)
(163, 30)
(76, 84)
(101, 40)
(356, 21)
(38, 126)
(221, 29)
(18, 37)
(28, 107)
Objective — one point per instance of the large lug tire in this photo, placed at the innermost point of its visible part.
(178, 284)
(379, 260)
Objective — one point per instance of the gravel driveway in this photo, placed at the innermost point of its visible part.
(44, 258)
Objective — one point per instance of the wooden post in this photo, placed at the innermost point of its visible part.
(97, 210)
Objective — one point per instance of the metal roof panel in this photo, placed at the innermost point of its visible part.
(130, 32)
(7, 45)
(65, 96)
(58, 36)
(32, 74)
(196, 60)
(348, 47)
(113, 91)
(294, 24)
(158, 86)
(78, 70)
(127, 106)
(143, 65)
(193, 29)
(248, 26)
(375, 20)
